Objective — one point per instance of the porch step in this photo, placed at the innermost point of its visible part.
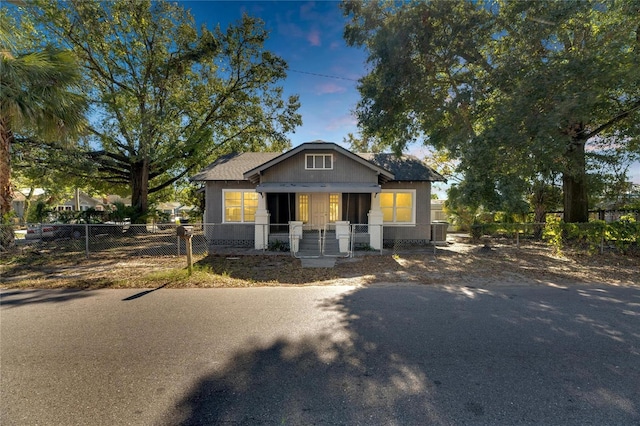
(310, 246)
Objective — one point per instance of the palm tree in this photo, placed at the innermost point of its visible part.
(40, 99)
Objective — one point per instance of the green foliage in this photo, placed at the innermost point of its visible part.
(278, 245)
(514, 90)
(38, 99)
(38, 212)
(624, 233)
(553, 233)
(167, 97)
(91, 215)
(589, 236)
(122, 213)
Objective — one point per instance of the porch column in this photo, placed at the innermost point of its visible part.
(261, 236)
(343, 234)
(295, 235)
(375, 223)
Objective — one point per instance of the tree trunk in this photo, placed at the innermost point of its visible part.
(540, 217)
(140, 189)
(574, 185)
(5, 169)
(6, 194)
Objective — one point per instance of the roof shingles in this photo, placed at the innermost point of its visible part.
(233, 166)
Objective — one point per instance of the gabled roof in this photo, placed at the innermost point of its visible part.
(83, 198)
(249, 165)
(254, 174)
(404, 168)
(233, 166)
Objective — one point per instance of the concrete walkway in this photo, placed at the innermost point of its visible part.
(320, 262)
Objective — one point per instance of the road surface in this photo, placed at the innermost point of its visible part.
(385, 354)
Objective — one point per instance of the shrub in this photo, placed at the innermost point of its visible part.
(624, 233)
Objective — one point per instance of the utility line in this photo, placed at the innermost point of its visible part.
(322, 75)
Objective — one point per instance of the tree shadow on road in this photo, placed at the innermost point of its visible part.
(418, 355)
(30, 297)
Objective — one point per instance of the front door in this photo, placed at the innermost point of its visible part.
(319, 209)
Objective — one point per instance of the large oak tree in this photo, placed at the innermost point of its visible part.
(515, 90)
(167, 97)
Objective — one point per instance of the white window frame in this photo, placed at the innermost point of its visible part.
(242, 191)
(394, 222)
(315, 158)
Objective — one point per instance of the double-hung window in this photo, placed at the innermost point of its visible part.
(318, 162)
(240, 206)
(398, 206)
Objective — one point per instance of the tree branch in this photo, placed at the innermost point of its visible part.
(635, 106)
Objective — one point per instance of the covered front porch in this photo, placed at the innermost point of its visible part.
(318, 219)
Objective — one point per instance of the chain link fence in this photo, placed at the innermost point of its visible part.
(131, 240)
(117, 240)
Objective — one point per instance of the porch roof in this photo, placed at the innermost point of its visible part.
(356, 188)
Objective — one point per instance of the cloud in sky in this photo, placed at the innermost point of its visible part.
(342, 122)
(329, 88)
(313, 37)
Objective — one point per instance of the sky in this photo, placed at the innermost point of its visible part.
(323, 70)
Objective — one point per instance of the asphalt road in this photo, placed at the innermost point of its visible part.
(387, 354)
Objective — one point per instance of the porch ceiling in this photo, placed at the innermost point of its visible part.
(365, 188)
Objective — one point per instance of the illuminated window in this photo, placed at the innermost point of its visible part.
(318, 162)
(303, 208)
(240, 206)
(334, 207)
(398, 206)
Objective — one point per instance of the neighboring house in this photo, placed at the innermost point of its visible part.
(18, 203)
(437, 211)
(80, 202)
(317, 186)
(438, 214)
(112, 199)
(174, 210)
(170, 209)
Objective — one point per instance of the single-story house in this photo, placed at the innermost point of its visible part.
(174, 210)
(18, 202)
(255, 198)
(80, 202)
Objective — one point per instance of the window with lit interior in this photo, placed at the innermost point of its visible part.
(398, 206)
(240, 206)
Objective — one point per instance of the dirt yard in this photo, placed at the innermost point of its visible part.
(458, 263)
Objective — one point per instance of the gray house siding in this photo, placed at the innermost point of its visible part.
(420, 233)
(236, 234)
(292, 170)
(282, 177)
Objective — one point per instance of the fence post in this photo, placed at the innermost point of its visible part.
(189, 254)
(517, 237)
(178, 245)
(86, 239)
